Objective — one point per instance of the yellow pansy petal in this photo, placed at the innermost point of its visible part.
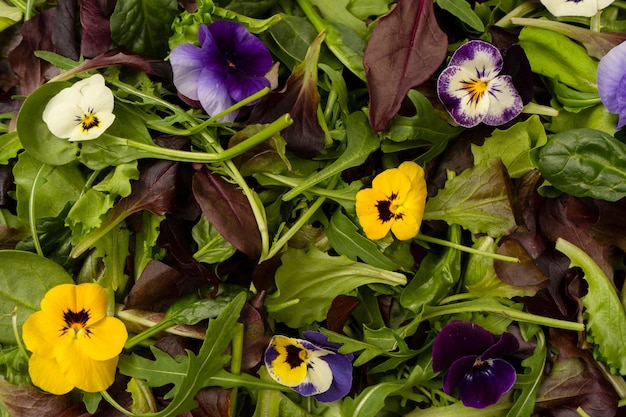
(103, 340)
(91, 298)
(405, 228)
(39, 333)
(48, 375)
(392, 182)
(58, 299)
(368, 213)
(85, 373)
(414, 173)
(288, 364)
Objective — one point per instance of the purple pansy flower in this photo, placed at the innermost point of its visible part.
(472, 89)
(472, 355)
(310, 366)
(611, 78)
(229, 65)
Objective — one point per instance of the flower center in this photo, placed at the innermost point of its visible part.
(76, 321)
(88, 121)
(476, 89)
(295, 356)
(388, 209)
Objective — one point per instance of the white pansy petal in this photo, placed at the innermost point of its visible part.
(62, 111)
(481, 58)
(504, 101)
(586, 8)
(604, 3)
(319, 376)
(465, 106)
(104, 121)
(97, 99)
(93, 81)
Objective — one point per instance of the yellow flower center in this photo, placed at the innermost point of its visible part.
(76, 322)
(88, 121)
(296, 356)
(476, 89)
(389, 209)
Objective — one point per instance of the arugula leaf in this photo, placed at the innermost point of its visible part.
(462, 10)
(529, 381)
(321, 277)
(24, 278)
(478, 199)
(135, 25)
(606, 319)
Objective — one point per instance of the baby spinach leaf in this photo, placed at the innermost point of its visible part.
(24, 278)
(320, 278)
(212, 247)
(478, 199)
(346, 240)
(584, 163)
(406, 47)
(135, 25)
(606, 319)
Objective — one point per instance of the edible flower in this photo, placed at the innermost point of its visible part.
(395, 202)
(472, 89)
(311, 367)
(229, 65)
(612, 82)
(584, 8)
(80, 112)
(72, 340)
(471, 356)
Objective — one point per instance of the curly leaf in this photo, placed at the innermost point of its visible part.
(584, 163)
(606, 319)
(405, 49)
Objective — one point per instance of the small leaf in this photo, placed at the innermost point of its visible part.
(406, 47)
(228, 210)
(24, 400)
(462, 10)
(25, 278)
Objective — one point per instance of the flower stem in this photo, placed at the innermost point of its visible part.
(16, 334)
(107, 397)
(534, 108)
(149, 332)
(31, 211)
(467, 249)
(520, 10)
(236, 356)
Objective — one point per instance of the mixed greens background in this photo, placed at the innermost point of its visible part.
(162, 233)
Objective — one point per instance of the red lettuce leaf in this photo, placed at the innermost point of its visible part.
(96, 29)
(228, 210)
(27, 401)
(406, 47)
(63, 29)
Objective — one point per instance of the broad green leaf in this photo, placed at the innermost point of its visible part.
(336, 11)
(361, 142)
(436, 276)
(10, 145)
(346, 240)
(606, 319)
(597, 117)
(138, 26)
(57, 186)
(573, 100)
(478, 199)
(462, 10)
(556, 56)
(9, 15)
(513, 146)
(307, 283)
(584, 163)
(24, 278)
(212, 247)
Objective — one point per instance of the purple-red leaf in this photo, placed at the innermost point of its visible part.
(405, 49)
(27, 401)
(96, 29)
(228, 210)
(63, 29)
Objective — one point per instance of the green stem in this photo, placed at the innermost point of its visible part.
(520, 10)
(235, 363)
(467, 249)
(148, 333)
(117, 406)
(594, 22)
(294, 182)
(16, 334)
(32, 218)
(534, 108)
(431, 312)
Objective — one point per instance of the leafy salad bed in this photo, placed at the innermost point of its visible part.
(312, 208)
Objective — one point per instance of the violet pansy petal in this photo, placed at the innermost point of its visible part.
(243, 50)
(504, 101)
(481, 58)
(487, 383)
(506, 345)
(240, 87)
(460, 102)
(610, 76)
(187, 65)
(621, 99)
(458, 339)
(341, 368)
(213, 94)
(320, 339)
(457, 373)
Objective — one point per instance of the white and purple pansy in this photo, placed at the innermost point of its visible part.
(583, 8)
(311, 366)
(472, 89)
(229, 65)
(474, 361)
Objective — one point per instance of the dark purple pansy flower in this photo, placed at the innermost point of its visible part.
(229, 65)
(611, 78)
(472, 356)
(311, 366)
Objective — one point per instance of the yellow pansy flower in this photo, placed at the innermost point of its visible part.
(395, 202)
(72, 340)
